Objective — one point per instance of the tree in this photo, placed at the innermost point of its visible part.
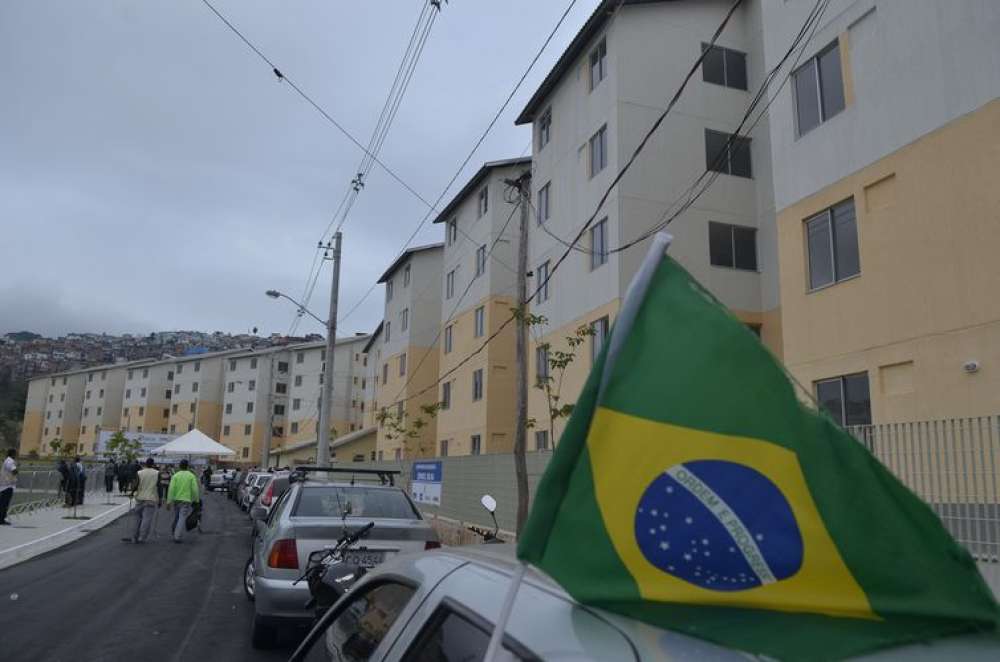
(400, 426)
(122, 449)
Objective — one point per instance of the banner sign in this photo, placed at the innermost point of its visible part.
(149, 441)
(425, 483)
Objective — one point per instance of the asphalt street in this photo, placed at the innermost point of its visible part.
(101, 599)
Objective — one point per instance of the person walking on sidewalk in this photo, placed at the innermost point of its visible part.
(81, 481)
(110, 471)
(164, 484)
(146, 501)
(8, 478)
(183, 492)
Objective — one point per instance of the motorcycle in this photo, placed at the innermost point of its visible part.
(328, 576)
(489, 537)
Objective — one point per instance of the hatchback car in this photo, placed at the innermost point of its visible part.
(311, 515)
(253, 488)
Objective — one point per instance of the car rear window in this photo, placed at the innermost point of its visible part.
(357, 501)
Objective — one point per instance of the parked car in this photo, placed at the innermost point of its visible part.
(249, 480)
(219, 479)
(271, 490)
(312, 515)
(443, 605)
(255, 486)
(233, 485)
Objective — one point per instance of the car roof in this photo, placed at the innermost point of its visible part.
(310, 482)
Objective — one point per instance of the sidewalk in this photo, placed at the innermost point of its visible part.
(44, 530)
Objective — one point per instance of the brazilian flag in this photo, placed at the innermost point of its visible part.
(692, 490)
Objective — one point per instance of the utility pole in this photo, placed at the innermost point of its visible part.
(326, 401)
(523, 184)
(265, 460)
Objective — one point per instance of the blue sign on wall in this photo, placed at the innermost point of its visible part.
(425, 485)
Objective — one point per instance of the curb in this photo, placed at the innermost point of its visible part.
(29, 550)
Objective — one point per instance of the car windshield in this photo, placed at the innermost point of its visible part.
(333, 501)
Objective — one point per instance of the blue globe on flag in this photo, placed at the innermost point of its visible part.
(719, 525)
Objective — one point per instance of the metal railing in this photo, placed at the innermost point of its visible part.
(41, 489)
(953, 465)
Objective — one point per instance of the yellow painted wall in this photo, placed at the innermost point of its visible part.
(574, 377)
(31, 433)
(209, 418)
(927, 298)
(364, 445)
(423, 445)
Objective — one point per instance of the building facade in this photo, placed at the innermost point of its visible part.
(102, 403)
(476, 413)
(197, 399)
(147, 399)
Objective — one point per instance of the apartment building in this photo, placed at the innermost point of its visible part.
(198, 387)
(256, 384)
(588, 116)
(62, 408)
(103, 394)
(372, 351)
(478, 292)
(409, 361)
(147, 399)
(886, 153)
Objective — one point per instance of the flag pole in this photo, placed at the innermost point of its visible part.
(508, 606)
(634, 296)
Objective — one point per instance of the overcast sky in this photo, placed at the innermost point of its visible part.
(155, 175)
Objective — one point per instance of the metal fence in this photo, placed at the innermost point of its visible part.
(952, 464)
(41, 489)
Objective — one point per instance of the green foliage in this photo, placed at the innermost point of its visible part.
(559, 361)
(407, 428)
(13, 394)
(122, 449)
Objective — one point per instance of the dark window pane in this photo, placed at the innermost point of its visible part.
(715, 151)
(831, 82)
(713, 67)
(745, 246)
(820, 259)
(364, 502)
(845, 234)
(829, 396)
(806, 101)
(449, 638)
(720, 244)
(857, 400)
(739, 158)
(736, 69)
(363, 622)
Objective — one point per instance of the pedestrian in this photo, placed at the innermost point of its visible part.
(8, 479)
(145, 501)
(183, 492)
(206, 476)
(122, 475)
(163, 484)
(72, 483)
(81, 481)
(110, 471)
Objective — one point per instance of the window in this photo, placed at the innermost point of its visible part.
(295, 427)
(278, 431)
(86, 411)
(229, 408)
(279, 410)
(483, 204)
(477, 384)
(145, 373)
(83, 429)
(452, 232)
(449, 284)
(385, 373)
(446, 396)
(542, 363)
(281, 388)
(128, 393)
(832, 243)
(194, 387)
(167, 394)
(142, 411)
(100, 394)
(388, 290)
(448, 338)
(388, 331)
(598, 64)
(170, 375)
(246, 452)
(247, 429)
(545, 128)
(300, 357)
(444, 448)
(296, 404)
(282, 366)
(177, 388)
(731, 157)
(180, 368)
(231, 386)
(733, 246)
(480, 261)
(249, 407)
(253, 365)
(819, 89)
(166, 413)
(476, 442)
(399, 411)
(90, 378)
(225, 430)
(724, 66)
(404, 319)
(479, 319)
(541, 440)
(142, 392)
(100, 411)
(298, 380)
(402, 365)
(599, 151)
(252, 385)
(406, 276)
(599, 244)
(600, 328)
(88, 396)
(174, 408)
(543, 282)
(125, 412)
(846, 399)
(173, 428)
(232, 365)
(363, 621)
(543, 209)
(197, 365)
(62, 396)
(191, 408)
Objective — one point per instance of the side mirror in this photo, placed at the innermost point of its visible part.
(258, 513)
(489, 503)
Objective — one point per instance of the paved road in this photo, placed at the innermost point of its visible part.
(100, 599)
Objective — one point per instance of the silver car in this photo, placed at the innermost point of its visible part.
(312, 514)
(253, 488)
(443, 605)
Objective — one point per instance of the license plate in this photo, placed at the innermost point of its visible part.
(365, 559)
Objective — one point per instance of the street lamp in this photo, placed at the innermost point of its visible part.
(275, 294)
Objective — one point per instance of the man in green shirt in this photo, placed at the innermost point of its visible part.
(183, 491)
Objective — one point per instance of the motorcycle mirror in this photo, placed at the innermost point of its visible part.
(489, 503)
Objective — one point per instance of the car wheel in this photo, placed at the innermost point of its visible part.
(250, 580)
(263, 636)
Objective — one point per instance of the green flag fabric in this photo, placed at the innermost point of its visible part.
(692, 490)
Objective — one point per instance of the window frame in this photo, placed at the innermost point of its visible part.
(479, 322)
(705, 46)
(448, 606)
(813, 62)
(448, 338)
(480, 261)
(545, 128)
(445, 396)
(477, 385)
(732, 142)
(544, 208)
(449, 284)
(483, 201)
(599, 139)
(604, 323)
(841, 380)
(451, 231)
(732, 228)
(828, 215)
(598, 56)
(543, 281)
(476, 444)
(599, 258)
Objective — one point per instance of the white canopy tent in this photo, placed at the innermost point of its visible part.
(193, 443)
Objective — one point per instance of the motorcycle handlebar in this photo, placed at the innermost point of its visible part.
(358, 535)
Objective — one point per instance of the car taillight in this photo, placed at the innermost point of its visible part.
(284, 555)
(432, 544)
(265, 498)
